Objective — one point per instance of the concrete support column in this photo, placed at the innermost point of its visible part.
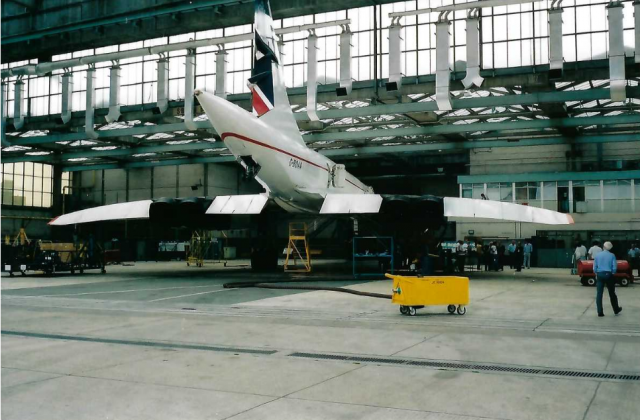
(162, 89)
(570, 196)
(312, 77)
(18, 105)
(556, 55)
(90, 104)
(443, 70)
(114, 94)
(636, 13)
(618, 82)
(221, 74)
(57, 197)
(190, 65)
(396, 67)
(3, 97)
(346, 81)
(67, 92)
(473, 55)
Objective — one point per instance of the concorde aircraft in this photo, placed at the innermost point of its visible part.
(270, 148)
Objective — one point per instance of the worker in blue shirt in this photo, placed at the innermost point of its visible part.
(605, 266)
(528, 250)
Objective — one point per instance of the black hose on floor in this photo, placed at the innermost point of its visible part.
(247, 284)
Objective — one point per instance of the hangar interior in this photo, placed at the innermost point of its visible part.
(537, 103)
(527, 104)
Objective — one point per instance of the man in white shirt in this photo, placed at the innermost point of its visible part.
(580, 253)
(594, 250)
(461, 255)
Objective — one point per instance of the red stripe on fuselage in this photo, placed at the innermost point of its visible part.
(268, 146)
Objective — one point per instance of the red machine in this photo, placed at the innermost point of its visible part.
(623, 276)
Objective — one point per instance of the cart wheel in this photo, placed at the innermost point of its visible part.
(591, 281)
(412, 311)
(403, 310)
(583, 281)
(462, 310)
(624, 282)
(451, 308)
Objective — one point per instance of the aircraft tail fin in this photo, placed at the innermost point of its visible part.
(268, 93)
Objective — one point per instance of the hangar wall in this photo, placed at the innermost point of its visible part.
(600, 184)
(111, 186)
(554, 158)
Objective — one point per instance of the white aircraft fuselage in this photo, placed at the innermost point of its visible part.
(295, 177)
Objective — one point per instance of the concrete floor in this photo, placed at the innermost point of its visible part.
(166, 341)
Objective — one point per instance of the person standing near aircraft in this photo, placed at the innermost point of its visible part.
(634, 258)
(479, 256)
(512, 254)
(518, 257)
(528, 250)
(501, 256)
(461, 255)
(493, 251)
(594, 250)
(580, 253)
(605, 266)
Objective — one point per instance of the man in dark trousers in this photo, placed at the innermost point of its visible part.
(501, 256)
(605, 266)
(518, 257)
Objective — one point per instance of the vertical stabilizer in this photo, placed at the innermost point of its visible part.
(268, 93)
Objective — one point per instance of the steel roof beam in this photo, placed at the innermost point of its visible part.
(377, 150)
(401, 108)
(486, 126)
(486, 102)
(360, 135)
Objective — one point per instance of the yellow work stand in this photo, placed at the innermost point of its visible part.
(298, 248)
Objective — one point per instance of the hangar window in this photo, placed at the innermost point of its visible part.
(500, 191)
(478, 190)
(27, 184)
(528, 192)
(467, 190)
(617, 196)
(549, 195)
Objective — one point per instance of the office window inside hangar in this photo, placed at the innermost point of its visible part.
(27, 184)
(30, 184)
(591, 196)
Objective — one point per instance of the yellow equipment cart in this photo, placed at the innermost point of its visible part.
(413, 293)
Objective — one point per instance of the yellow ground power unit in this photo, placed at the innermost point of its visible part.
(413, 293)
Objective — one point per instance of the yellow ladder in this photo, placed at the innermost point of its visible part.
(200, 243)
(298, 247)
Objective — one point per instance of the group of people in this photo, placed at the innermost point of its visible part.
(495, 255)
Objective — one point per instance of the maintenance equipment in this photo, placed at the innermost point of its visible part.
(298, 247)
(413, 293)
(624, 273)
(198, 247)
(378, 249)
(52, 257)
